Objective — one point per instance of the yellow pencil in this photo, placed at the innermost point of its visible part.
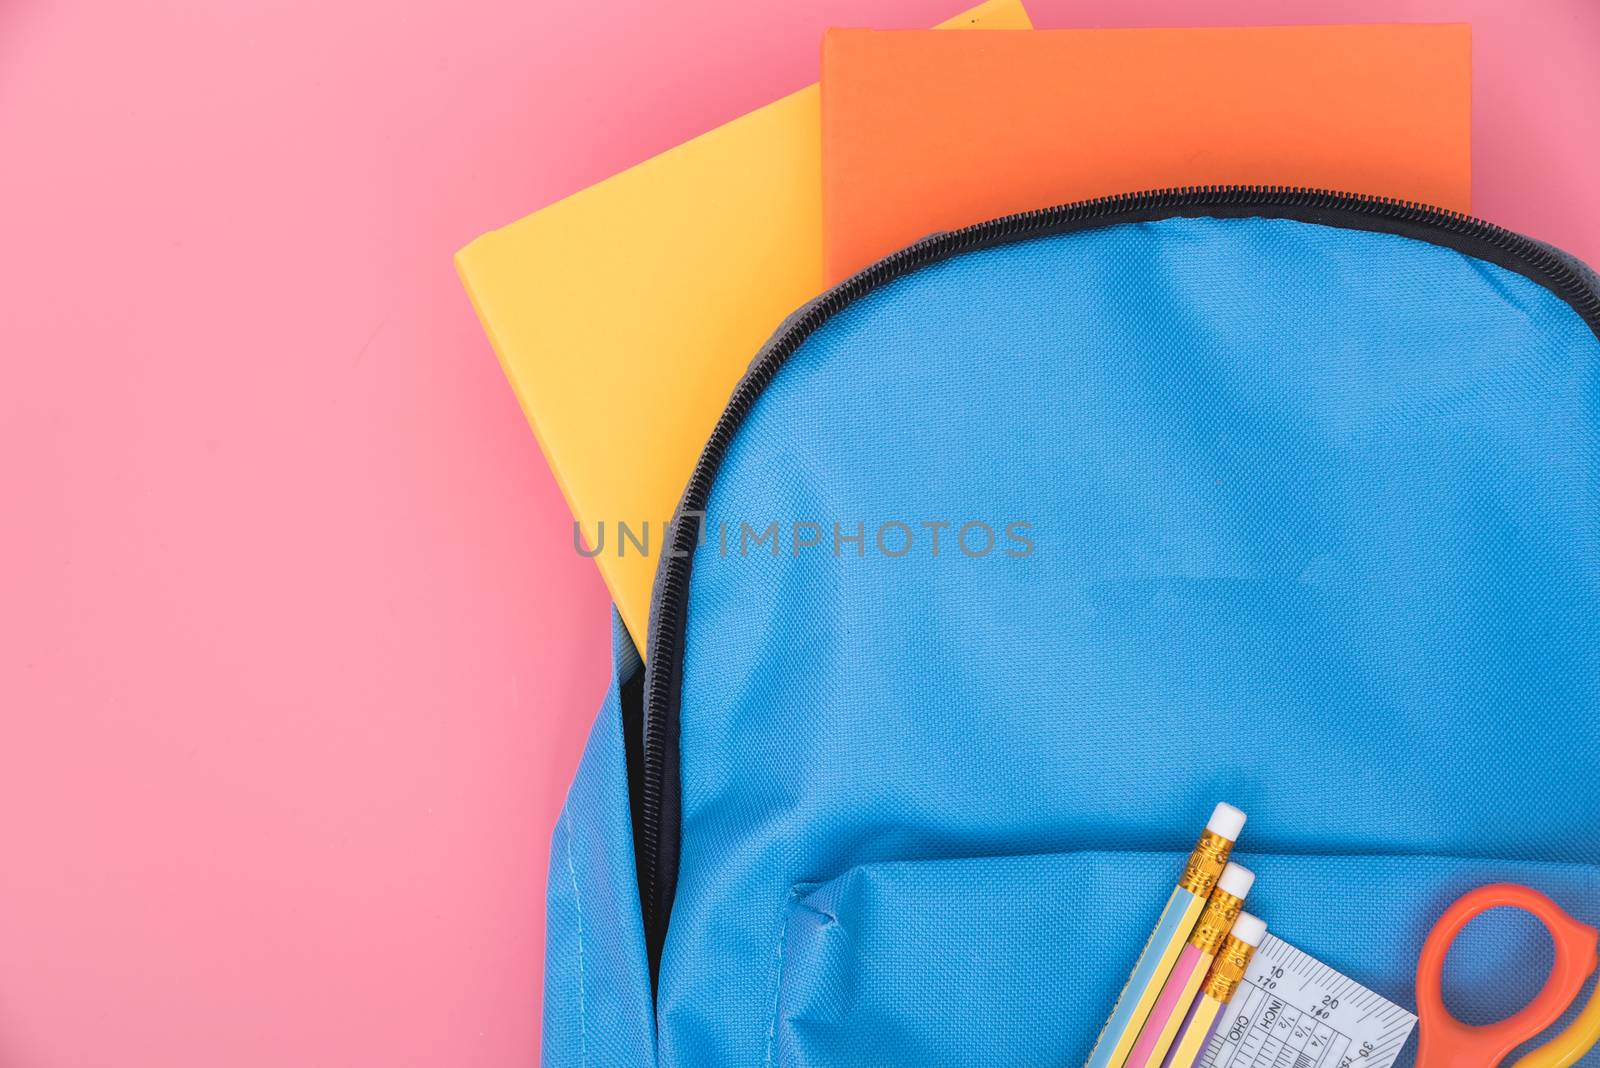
(1194, 964)
(1227, 972)
(1161, 952)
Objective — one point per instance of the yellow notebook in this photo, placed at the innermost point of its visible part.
(624, 314)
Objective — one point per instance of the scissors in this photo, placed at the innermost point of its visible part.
(1445, 1042)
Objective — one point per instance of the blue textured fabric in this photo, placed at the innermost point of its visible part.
(1315, 528)
(596, 983)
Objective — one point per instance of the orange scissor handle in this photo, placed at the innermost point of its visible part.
(1446, 1042)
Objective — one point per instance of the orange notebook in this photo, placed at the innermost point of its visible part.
(926, 131)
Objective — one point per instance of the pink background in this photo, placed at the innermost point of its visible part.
(295, 657)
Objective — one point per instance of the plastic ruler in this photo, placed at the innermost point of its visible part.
(1293, 1011)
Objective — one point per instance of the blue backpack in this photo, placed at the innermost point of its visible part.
(1016, 551)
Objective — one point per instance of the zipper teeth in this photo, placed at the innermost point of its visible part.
(672, 594)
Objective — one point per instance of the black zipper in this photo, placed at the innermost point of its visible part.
(656, 805)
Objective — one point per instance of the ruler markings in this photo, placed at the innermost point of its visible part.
(1326, 1020)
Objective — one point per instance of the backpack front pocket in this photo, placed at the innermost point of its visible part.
(1017, 960)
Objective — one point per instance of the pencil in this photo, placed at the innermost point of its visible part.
(1227, 972)
(1161, 951)
(1182, 986)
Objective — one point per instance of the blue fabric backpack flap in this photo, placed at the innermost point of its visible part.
(1026, 546)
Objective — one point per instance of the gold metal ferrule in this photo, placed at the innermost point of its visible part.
(1227, 971)
(1205, 864)
(1215, 922)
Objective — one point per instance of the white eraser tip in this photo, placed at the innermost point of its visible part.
(1226, 821)
(1236, 879)
(1249, 929)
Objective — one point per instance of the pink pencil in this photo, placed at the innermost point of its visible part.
(1183, 985)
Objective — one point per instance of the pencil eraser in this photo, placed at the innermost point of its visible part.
(1249, 929)
(1226, 822)
(1236, 879)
